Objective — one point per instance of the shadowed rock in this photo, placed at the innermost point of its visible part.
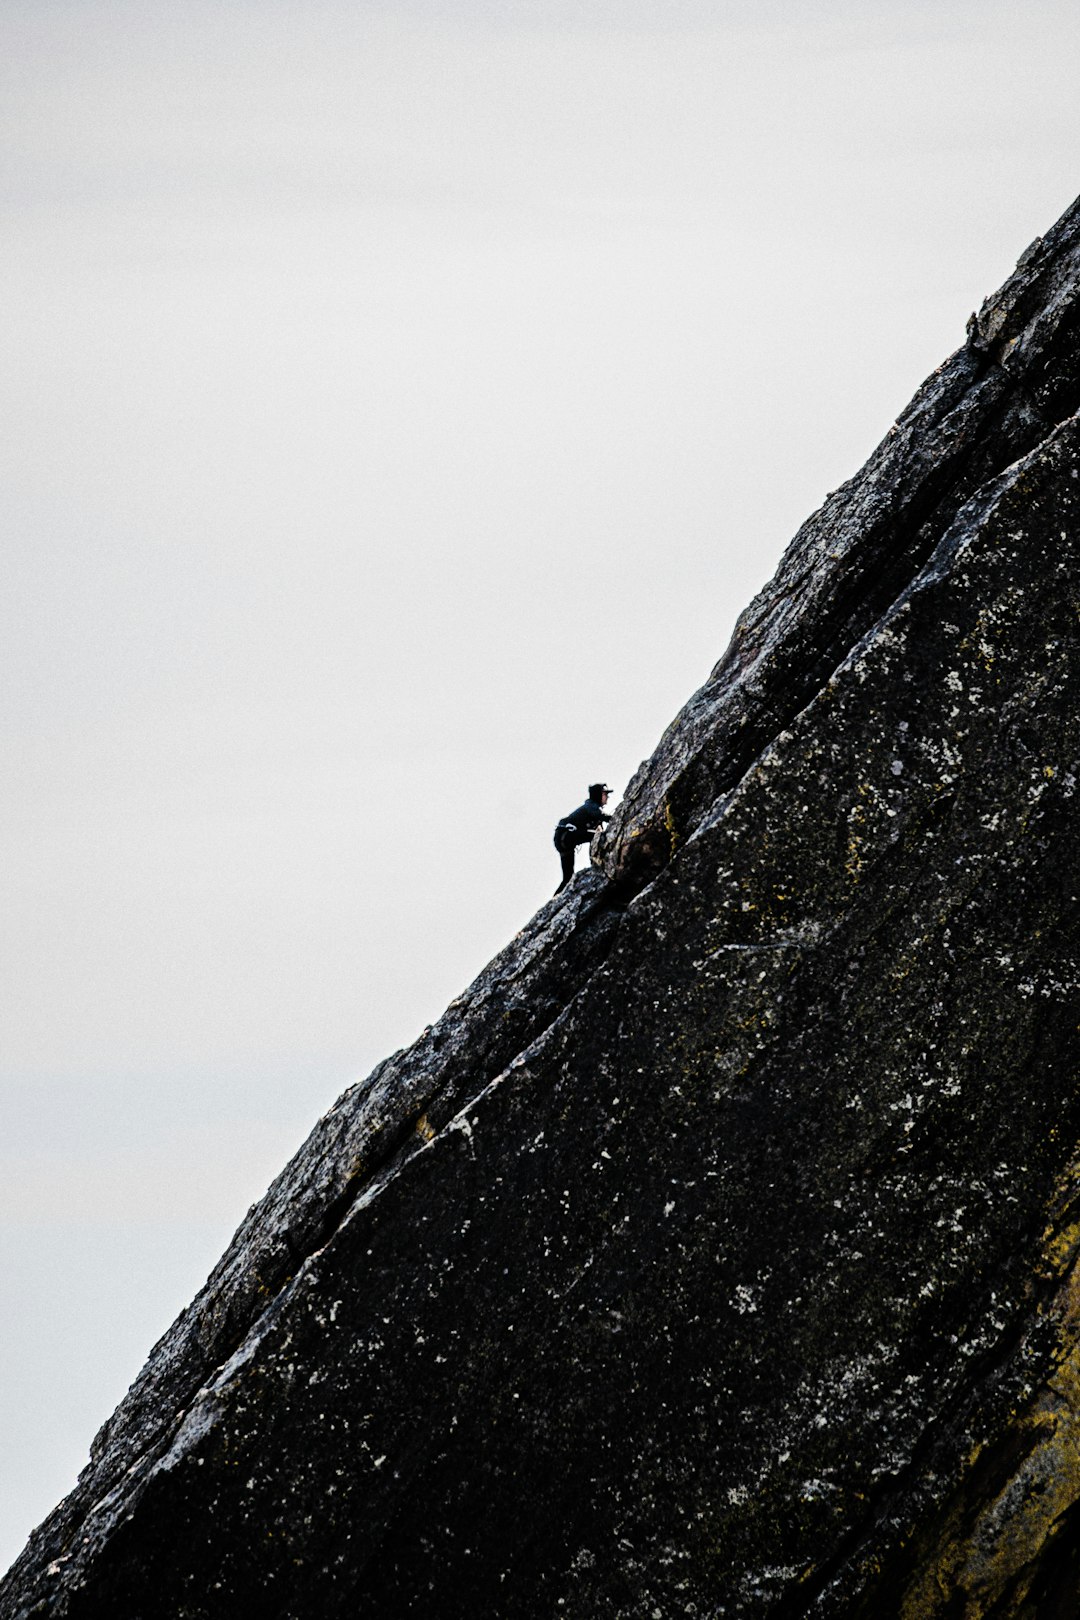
(715, 1254)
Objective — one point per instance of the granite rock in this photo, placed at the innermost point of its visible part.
(716, 1253)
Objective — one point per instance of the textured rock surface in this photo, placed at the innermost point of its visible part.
(716, 1254)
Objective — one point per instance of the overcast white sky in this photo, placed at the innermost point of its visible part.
(400, 402)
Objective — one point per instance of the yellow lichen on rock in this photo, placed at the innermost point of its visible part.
(670, 828)
(1014, 1495)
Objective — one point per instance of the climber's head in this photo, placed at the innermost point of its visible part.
(599, 792)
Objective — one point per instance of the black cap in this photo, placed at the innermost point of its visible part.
(596, 788)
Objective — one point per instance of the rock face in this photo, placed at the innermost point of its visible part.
(717, 1253)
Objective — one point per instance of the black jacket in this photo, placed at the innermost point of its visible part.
(586, 818)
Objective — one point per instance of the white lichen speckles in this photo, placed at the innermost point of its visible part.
(461, 1122)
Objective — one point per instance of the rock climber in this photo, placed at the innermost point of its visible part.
(579, 826)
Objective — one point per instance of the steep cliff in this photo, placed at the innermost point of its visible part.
(716, 1253)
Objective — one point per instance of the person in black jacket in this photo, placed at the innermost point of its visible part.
(579, 826)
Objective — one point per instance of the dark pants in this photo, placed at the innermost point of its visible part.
(566, 841)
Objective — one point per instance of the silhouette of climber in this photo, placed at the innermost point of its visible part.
(578, 828)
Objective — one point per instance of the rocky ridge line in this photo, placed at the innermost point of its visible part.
(990, 403)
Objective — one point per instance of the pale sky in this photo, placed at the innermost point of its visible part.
(400, 403)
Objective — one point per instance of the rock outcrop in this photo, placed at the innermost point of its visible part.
(717, 1253)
